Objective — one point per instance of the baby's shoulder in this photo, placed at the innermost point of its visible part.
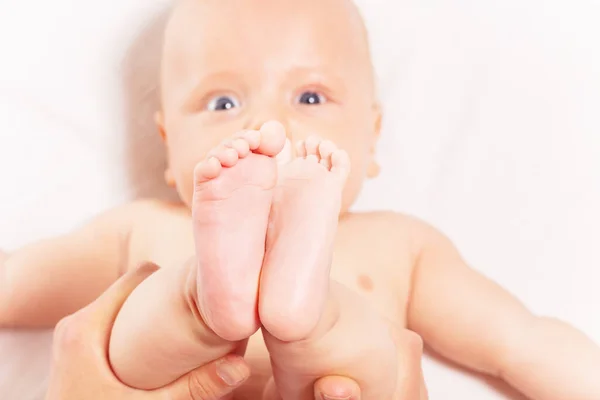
(149, 213)
(389, 231)
(386, 231)
(141, 211)
(393, 225)
(161, 233)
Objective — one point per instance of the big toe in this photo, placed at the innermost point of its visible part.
(272, 138)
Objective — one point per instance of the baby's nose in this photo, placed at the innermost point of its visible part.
(257, 123)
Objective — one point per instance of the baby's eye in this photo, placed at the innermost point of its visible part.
(223, 103)
(312, 98)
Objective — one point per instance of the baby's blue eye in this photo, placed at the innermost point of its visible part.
(223, 103)
(311, 98)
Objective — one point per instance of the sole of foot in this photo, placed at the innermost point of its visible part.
(302, 227)
(233, 192)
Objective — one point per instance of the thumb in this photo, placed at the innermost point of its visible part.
(212, 381)
(337, 387)
(97, 319)
(328, 387)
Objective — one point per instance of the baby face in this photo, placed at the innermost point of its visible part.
(230, 65)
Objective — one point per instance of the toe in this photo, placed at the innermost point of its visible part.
(241, 146)
(312, 158)
(326, 149)
(301, 149)
(272, 138)
(207, 170)
(250, 136)
(227, 156)
(340, 163)
(312, 145)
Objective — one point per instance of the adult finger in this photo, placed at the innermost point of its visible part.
(79, 364)
(96, 320)
(210, 382)
(327, 388)
(336, 387)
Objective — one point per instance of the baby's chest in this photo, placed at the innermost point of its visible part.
(381, 278)
(375, 268)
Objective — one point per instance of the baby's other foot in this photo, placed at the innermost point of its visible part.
(232, 200)
(350, 340)
(302, 227)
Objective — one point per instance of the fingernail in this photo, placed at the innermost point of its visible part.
(342, 394)
(326, 397)
(232, 371)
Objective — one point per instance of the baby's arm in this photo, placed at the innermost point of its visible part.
(473, 321)
(45, 281)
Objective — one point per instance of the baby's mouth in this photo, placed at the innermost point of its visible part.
(285, 155)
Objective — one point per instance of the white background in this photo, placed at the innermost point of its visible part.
(492, 133)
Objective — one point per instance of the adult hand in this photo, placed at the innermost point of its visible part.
(327, 388)
(410, 384)
(81, 370)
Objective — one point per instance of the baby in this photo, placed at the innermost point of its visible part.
(263, 257)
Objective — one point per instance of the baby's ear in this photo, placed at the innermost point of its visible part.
(377, 119)
(373, 168)
(159, 120)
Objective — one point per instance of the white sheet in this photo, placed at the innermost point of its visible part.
(491, 133)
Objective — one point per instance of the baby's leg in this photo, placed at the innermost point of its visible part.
(180, 319)
(313, 328)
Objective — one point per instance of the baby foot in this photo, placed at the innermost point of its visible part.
(230, 210)
(302, 227)
(350, 340)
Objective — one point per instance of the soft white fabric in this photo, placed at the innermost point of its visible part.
(491, 133)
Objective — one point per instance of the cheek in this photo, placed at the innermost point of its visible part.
(184, 155)
(182, 167)
(359, 162)
(188, 146)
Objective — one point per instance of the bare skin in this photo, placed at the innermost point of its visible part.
(297, 322)
(80, 349)
(230, 212)
(315, 77)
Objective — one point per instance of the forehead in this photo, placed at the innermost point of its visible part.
(223, 33)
